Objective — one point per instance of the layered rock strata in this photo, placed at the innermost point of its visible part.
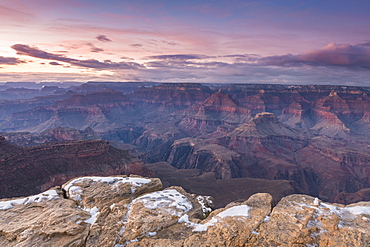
(29, 170)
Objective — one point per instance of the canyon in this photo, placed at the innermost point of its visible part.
(312, 139)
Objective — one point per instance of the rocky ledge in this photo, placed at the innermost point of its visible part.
(136, 211)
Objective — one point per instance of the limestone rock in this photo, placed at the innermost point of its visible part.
(300, 220)
(232, 225)
(158, 210)
(107, 200)
(104, 191)
(46, 219)
(134, 211)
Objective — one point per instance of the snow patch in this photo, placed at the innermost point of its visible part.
(325, 209)
(75, 191)
(137, 182)
(123, 222)
(266, 219)
(202, 200)
(165, 199)
(94, 212)
(356, 210)
(241, 210)
(47, 195)
(185, 219)
(316, 202)
(311, 245)
(335, 210)
(127, 242)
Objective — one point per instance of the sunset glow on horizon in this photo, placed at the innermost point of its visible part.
(293, 42)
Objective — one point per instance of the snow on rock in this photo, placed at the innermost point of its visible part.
(94, 212)
(356, 210)
(316, 202)
(170, 198)
(47, 195)
(205, 202)
(154, 211)
(346, 212)
(236, 211)
(75, 191)
(321, 210)
(266, 219)
(160, 219)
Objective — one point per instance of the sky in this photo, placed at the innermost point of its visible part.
(206, 41)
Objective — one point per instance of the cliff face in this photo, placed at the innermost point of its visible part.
(8, 107)
(57, 134)
(265, 148)
(317, 137)
(219, 109)
(105, 98)
(25, 171)
(136, 211)
(223, 190)
(172, 94)
(101, 111)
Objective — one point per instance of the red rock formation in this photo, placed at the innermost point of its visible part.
(348, 198)
(225, 140)
(106, 98)
(51, 135)
(172, 94)
(264, 148)
(219, 109)
(25, 171)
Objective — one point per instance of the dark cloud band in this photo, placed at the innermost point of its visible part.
(10, 61)
(88, 63)
(103, 38)
(343, 55)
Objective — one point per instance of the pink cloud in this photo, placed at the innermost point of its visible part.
(7, 13)
(126, 18)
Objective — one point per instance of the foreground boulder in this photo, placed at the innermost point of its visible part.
(136, 211)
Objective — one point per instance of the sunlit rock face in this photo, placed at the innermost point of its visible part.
(136, 211)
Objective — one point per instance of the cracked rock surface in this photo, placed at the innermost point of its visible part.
(135, 211)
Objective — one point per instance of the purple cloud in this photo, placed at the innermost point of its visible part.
(136, 45)
(103, 38)
(364, 44)
(344, 55)
(339, 55)
(177, 57)
(93, 48)
(96, 49)
(170, 43)
(88, 63)
(10, 60)
(54, 63)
